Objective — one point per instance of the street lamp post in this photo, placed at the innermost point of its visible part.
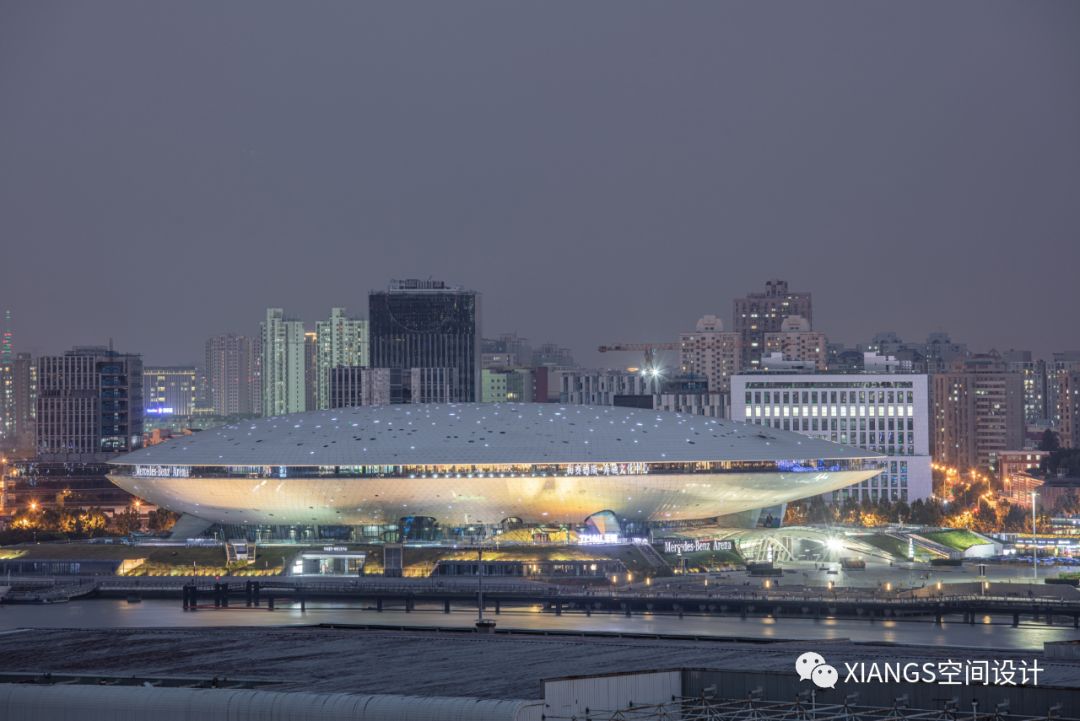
(1034, 547)
(480, 585)
(483, 625)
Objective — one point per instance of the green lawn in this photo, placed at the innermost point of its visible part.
(419, 561)
(960, 539)
(159, 560)
(894, 546)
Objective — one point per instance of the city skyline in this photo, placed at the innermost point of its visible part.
(156, 357)
(921, 185)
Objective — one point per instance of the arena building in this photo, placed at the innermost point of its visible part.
(470, 465)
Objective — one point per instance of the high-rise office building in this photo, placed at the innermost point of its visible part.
(203, 402)
(7, 402)
(551, 355)
(232, 375)
(691, 395)
(978, 412)
(1067, 397)
(90, 404)
(7, 381)
(505, 351)
(356, 386)
(342, 341)
(1061, 363)
(795, 341)
(711, 352)
(427, 324)
(506, 385)
(687, 394)
(169, 390)
(888, 344)
(941, 353)
(18, 380)
(1034, 377)
(606, 388)
(283, 364)
(879, 412)
(26, 395)
(311, 370)
(759, 313)
(430, 385)
(7, 339)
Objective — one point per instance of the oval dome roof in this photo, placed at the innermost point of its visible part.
(474, 433)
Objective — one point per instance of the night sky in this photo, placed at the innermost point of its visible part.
(600, 171)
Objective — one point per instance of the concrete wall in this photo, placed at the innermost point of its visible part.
(983, 550)
(576, 697)
(1033, 701)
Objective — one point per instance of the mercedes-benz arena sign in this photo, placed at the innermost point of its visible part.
(482, 463)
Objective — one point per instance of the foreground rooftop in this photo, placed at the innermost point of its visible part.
(427, 662)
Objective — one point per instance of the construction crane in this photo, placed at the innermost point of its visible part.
(651, 367)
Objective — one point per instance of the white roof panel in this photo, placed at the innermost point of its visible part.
(474, 433)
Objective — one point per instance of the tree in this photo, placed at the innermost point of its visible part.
(1064, 461)
(1068, 504)
(1017, 520)
(819, 512)
(927, 513)
(92, 521)
(985, 516)
(50, 519)
(966, 495)
(1049, 441)
(901, 512)
(849, 511)
(871, 513)
(69, 521)
(125, 522)
(162, 519)
(795, 514)
(26, 520)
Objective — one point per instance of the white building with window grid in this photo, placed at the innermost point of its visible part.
(711, 352)
(342, 341)
(884, 413)
(283, 366)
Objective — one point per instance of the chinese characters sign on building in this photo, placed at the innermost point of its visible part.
(607, 469)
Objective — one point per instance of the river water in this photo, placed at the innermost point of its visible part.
(117, 613)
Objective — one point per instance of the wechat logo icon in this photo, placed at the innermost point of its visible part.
(811, 666)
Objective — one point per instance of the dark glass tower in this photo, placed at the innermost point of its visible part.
(428, 324)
